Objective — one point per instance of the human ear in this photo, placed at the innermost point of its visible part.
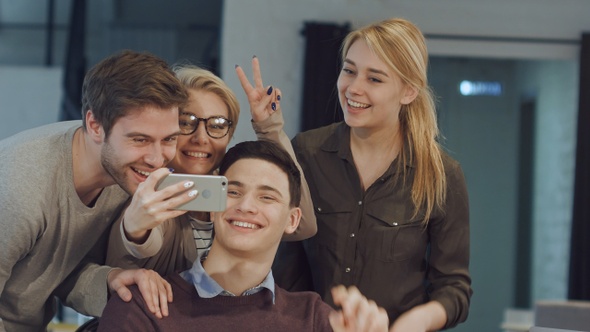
(410, 93)
(294, 219)
(94, 128)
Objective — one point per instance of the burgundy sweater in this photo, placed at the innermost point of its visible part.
(301, 311)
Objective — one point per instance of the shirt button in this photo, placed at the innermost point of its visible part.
(360, 202)
(347, 270)
(394, 223)
(319, 209)
(351, 234)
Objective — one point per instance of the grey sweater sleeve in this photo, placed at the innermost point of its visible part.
(88, 289)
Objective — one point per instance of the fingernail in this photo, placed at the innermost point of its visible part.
(236, 66)
(193, 193)
(278, 97)
(254, 56)
(269, 91)
(188, 184)
(273, 106)
(171, 169)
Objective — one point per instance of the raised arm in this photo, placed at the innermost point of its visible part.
(124, 253)
(150, 207)
(267, 122)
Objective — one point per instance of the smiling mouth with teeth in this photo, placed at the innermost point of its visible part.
(144, 173)
(244, 224)
(197, 154)
(356, 104)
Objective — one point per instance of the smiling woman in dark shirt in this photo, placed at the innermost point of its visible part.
(391, 206)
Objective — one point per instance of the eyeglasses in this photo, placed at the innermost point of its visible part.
(215, 126)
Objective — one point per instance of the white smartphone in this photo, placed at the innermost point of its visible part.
(212, 191)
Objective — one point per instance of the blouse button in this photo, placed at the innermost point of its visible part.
(394, 223)
(347, 270)
(360, 202)
(319, 209)
(351, 234)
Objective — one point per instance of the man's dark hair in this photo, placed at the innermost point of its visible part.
(272, 153)
(126, 81)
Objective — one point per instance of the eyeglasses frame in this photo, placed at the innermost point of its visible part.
(205, 120)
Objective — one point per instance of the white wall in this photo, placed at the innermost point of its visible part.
(29, 97)
(555, 85)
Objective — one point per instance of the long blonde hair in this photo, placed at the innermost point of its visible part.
(401, 45)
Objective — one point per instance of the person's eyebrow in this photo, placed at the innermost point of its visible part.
(235, 183)
(177, 133)
(269, 188)
(372, 70)
(261, 187)
(139, 134)
(378, 71)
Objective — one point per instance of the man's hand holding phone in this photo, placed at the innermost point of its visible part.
(150, 207)
(212, 191)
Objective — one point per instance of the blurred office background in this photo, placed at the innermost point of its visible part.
(506, 74)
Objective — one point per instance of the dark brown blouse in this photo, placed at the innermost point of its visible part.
(371, 239)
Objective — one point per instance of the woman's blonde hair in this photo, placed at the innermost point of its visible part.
(401, 45)
(193, 77)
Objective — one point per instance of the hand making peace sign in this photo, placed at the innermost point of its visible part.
(263, 100)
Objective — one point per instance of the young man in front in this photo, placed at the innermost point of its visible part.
(63, 184)
(231, 288)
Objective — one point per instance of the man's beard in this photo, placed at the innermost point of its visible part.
(107, 160)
